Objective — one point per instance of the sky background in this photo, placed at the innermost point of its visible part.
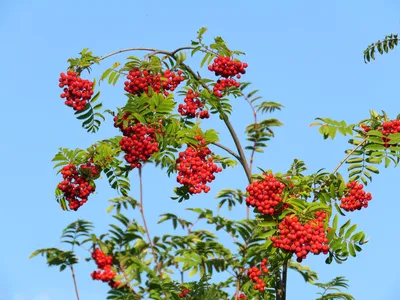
(307, 55)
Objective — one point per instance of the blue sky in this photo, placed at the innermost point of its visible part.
(307, 55)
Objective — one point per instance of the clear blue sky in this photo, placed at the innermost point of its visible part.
(308, 55)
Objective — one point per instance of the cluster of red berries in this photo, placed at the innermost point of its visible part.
(390, 127)
(104, 263)
(242, 296)
(139, 141)
(192, 104)
(355, 198)
(265, 194)
(301, 239)
(366, 128)
(76, 184)
(222, 84)
(254, 274)
(387, 128)
(184, 293)
(226, 67)
(77, 92)
(196, 168)
(139, 81)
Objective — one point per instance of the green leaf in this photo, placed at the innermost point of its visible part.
(335, 222)
(350, 231)
(372, 169)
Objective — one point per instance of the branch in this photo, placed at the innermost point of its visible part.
(227, 150)
(145, 224)
(254, 145)
(341, 163)
(349, 154)
(255, 126)
(284, 279)
(237, 287)
(153, 51)
(127, 279)
(228, 124)
(191, 226)
(74, 279)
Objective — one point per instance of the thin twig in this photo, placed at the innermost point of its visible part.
(227, 150)
(341, 163)
(154, 51)
(349, 154)
(145, 224)
(126, 278)
(191, 226)
(254, 145)
(75, 284)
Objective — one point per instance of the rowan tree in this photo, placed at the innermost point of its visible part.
(296, 213)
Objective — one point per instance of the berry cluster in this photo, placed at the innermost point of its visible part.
(226, 67)
(139, 141)
(366, 128)
(192, 104)
(76, 184)
(77, 92)
(390, 127)
(242, 296)
(254, 274)
(139, 81)
(387, 128)
(265, 194)
(184, 293)
(223, 84)
(355, 198)
(196, 168)
(302, 239)
(104, 263)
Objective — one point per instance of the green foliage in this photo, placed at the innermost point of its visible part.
(332, 289)
(230, 197)
(77, 233)
(389, 43)
(259, 132)
(330, 127)
(345, 242)
(305, 271)
(57, 257)
(90, 116)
